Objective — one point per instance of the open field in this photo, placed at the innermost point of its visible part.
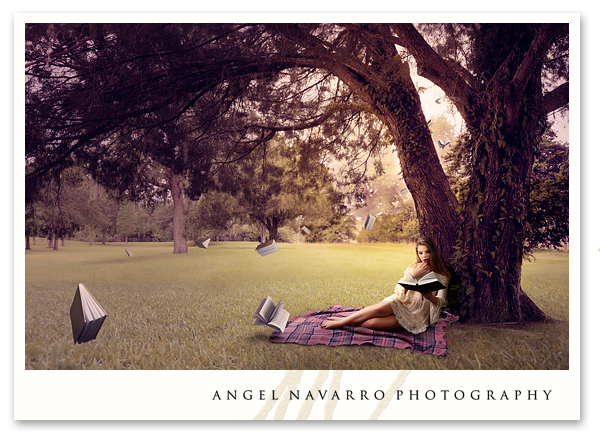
(194, 311)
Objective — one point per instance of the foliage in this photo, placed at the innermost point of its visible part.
(213, 214)
(548, 214)
(279, 184)
(127, 220)
(391, 228)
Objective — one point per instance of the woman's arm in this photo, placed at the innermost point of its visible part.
(430, 296)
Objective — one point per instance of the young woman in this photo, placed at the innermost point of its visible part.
(407, 309)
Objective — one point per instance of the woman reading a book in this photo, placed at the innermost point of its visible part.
(406, 308)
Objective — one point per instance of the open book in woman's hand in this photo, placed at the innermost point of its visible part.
(428, 282)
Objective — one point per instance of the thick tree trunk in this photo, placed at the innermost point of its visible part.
(435, 203)
(399, 106)
(179, 238)
(493, 228)
(493, 223)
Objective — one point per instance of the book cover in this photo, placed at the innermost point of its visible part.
(87, 316)
(369, 222)
(428, 282)
(203, 244)
(267, 248)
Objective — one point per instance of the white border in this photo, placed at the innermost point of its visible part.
(571, 381)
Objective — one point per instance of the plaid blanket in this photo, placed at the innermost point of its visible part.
(306, 330)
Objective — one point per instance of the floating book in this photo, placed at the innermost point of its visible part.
(442, 143)
(129, 252)
(87, 315)
(267, 248)
(271, 314)
(404, 191)
(438, 101)
(429, 282)
(305, 229)
(203, 244)
(369, 222)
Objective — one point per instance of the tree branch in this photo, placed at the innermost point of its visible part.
(431, 66)
(544, 38)
(55, 55)
(557, 98)
(332, 108)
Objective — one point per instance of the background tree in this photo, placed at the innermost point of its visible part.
(127, 221)
(548, 214)
(214, 213)
(277, 184)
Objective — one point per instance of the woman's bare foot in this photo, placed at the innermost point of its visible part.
(333, 323)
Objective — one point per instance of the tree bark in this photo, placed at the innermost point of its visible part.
(179, 239)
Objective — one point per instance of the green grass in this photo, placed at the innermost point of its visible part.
(194, 311)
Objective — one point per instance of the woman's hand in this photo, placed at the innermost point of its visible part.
(430, 296)
(421, 269)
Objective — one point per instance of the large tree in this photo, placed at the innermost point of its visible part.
(494, 75)
(344, 88)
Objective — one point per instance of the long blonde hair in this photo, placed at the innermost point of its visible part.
(436, 262)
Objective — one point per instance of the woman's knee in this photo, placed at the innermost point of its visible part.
(384, 309)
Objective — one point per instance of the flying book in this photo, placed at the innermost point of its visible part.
(267, 248)
(271, 314)
(428, 282)
(203, 244)
(442, 143)
(129, 252)
(305, 229)
(369, 222)
(87, 315)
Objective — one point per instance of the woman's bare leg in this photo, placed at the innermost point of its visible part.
(382, 323)
(382, 309)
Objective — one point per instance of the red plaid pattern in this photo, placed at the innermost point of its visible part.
(306, 330)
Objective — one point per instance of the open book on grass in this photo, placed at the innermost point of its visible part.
(271, 314)
(429, 282)
(87, 315)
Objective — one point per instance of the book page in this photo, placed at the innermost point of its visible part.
(267, 309)
(280, 319)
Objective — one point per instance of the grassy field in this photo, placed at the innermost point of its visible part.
(194, 311)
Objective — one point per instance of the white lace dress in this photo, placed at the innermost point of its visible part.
(413, 312)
